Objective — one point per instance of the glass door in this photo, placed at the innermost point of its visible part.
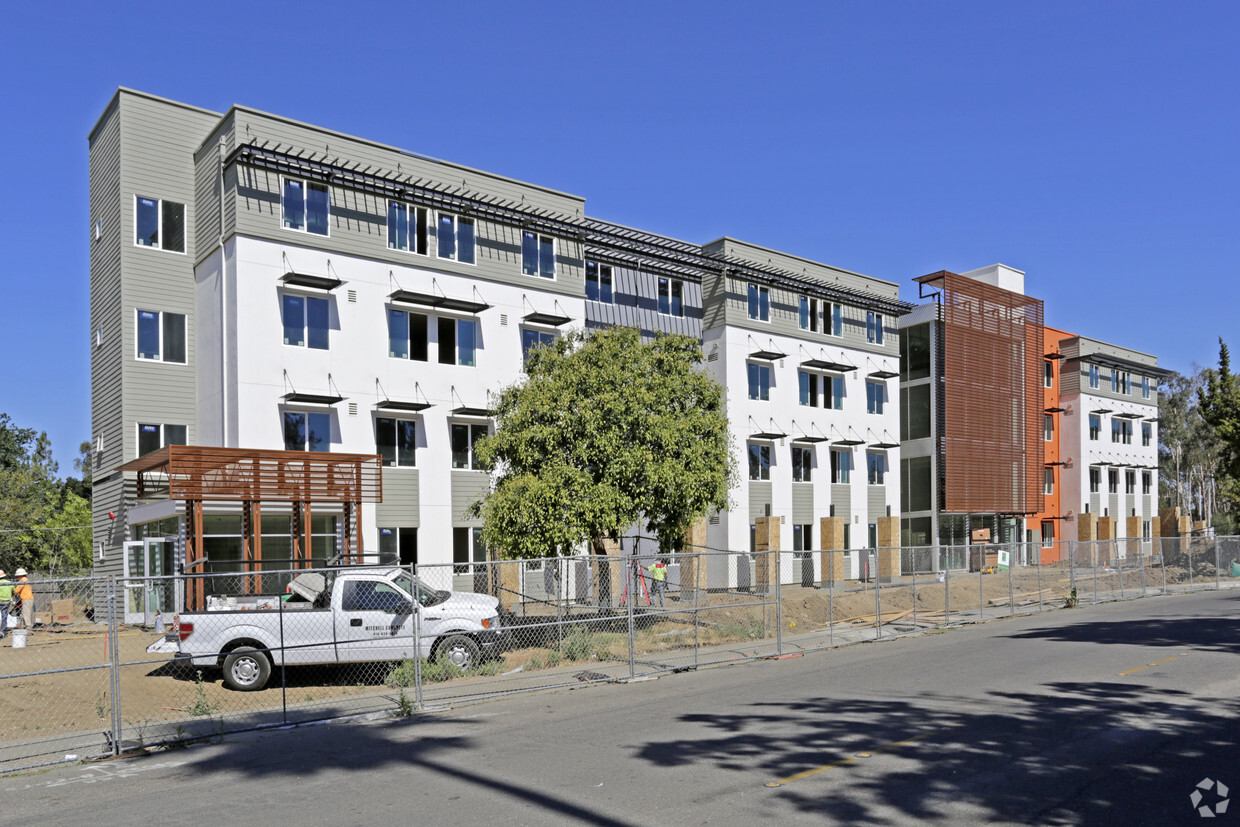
(134, 582)
(159, 590)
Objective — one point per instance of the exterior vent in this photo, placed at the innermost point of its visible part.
(352, 409)
(714, 520)
(353, 295)
(503, 319)
(713, 356)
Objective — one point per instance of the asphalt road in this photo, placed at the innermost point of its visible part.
(1100, 715)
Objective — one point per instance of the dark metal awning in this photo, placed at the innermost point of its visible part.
(1153, 419)
(394, 405)
(1056, 409)
(1106, 360)
(808, 438)
(767, 435)
(828, 365)
(849, 442)
(312, 398)
(468, 410)
(883, 374)
(884, 445)
(314, 282)
(549, 319)
(1101, 410)
(439, 302)
(1056, 462)
(1053, 356)
(1127, 415)
(767, 355)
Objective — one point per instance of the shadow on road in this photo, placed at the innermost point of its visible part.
(1213, 634)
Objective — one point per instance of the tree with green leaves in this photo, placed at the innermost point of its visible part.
(1219, 402)
(605, 431)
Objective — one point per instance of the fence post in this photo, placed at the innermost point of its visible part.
(1162, 558)
(631, 591)
(114, 668)
(981, 582)
(779, 603)
(699, 577)
(1072, 566)
(947, 583)
(417, 644)
(1095, 556)
(1142, 558)
(831, 599)
(1038, 568)
(1190, 563)
(283, 671)
(1011, 588)
(915, 627)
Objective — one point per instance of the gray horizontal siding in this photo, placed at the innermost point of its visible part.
(467, 487)
(400, 498)
(759, 499)
(637, 305)
(841, 498)
(105, 292)
(876, 505)
(802, 502)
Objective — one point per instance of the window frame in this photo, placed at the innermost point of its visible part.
(802, 463)
(758, 301)
(1147, 434)
(396, 422)
(1095, 380)
(763, 389)
(286, 413)
(875, 393)
(1048, 374)
(1095, 480)
(841, 466)
(159, 223)
(161, 327)
(668, 288)
(1095, 430)
(761, 452)
(874, 327)
(306, 298)
(1147, 483)
(538, 249)
(808, 313)
(456, 238)
(1048, 533)
(876, 475)
(306, 185)
(474, 431)
(1130, 482)
(1145, 387)
(1112, 480)
(544, 338)
(1048, 427)
(162, 436)
(1048, 481)
(417, 228)
(599, 271)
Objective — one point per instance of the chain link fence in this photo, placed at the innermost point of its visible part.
(110, 665)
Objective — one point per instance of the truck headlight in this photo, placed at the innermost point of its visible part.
(491, 622)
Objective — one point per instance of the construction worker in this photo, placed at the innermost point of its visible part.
(658, 577)
(6, 597)
(25, 599)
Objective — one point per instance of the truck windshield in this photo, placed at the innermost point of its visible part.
(423, 594)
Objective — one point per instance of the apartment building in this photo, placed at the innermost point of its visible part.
(260, 284)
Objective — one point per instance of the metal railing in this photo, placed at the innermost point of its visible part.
(99, 672)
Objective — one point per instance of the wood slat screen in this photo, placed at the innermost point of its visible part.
(992, 394)
(192, 472)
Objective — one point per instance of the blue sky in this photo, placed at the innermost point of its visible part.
(1093, 145)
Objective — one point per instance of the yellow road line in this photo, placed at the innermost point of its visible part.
(1155, 663)
(887, 748)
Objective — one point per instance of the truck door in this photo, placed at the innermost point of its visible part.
(374, 621)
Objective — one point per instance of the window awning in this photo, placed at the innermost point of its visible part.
(394, 405)
(1127, 415)
(1053, 356)
(314, 282)
(767, 435)
(312, 398)
(828, 365)
(883, 374)
(468, 410)
(1101, 410)
(849, 442)
(549, 319)
(808, 438)
(1055, 409)
(884, 445)
(767, 355)
(438, 302)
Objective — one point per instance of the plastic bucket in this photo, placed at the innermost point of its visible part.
(19, 638)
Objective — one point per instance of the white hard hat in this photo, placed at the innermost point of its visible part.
(3, 573)
(20, 572)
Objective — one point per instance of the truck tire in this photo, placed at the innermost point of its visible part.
(459, 650)
(246, 669)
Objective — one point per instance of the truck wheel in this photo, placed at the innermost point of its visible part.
(246, 669)
(461, 651)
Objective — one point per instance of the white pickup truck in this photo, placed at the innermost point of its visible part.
(344, 617)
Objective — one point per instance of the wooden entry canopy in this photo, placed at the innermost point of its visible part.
(195, 473)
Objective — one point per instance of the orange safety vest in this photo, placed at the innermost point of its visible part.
(24, 592)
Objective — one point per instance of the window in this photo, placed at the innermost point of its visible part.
(154, 437)
(158, 224)
(876, 467)
(407, 335)
(598, 283)
(832, 320)
(1095, 480)
(1147, 434)
(759, 381)
(1125, 432)
(759, 462)
(406, 228)
(1145, 387)
(1130, 482)
(1048, 481)
(1119, 381)
(803, 538)
(841, 465)
(802, 463)
(1093, 376)
(808, 386)
(305, 321)
(306, 206)
(671, 297)
(1146, 482)
(463, 540)
(1095, 426)
(1048, 534)
(161, 336)
(464, 440)
(1145, 530)
(398, 545)
(1115, 430)
(835, 385)
(1048, 428)
(1112, 481)
(457, 342)
(874, 327)
(531, 339)
(809, 314)
(874, 392)
(307, 431)
(1048, 374)
(455, 237)
(396, 442)
(537, 255)
(759, 302)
